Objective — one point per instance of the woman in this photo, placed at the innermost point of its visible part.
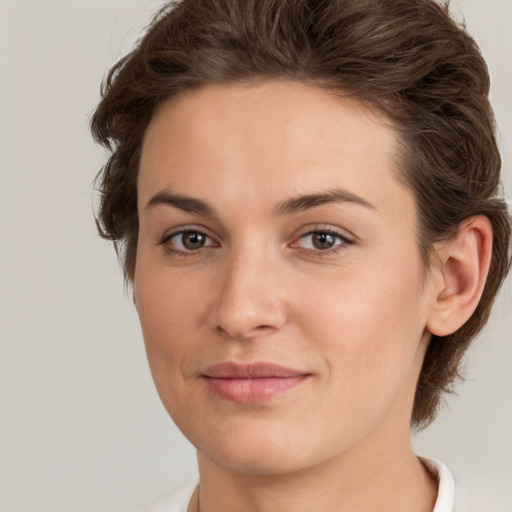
(306, 195)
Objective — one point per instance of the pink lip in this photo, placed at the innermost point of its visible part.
(251, 383)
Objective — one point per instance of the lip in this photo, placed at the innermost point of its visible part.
(251, 383)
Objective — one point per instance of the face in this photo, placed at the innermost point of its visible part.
(278, 280)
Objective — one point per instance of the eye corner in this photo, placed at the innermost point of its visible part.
(321, 241)
(187, 241)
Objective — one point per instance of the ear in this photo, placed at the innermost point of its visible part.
(460, 275)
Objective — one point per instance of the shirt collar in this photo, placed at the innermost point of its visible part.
(446, 489)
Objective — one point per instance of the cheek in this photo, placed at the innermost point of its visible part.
(369, 324)
(167, 300)
(168, 314)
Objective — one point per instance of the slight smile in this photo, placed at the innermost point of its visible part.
(251, 383)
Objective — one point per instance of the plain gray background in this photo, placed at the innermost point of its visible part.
(81, 427)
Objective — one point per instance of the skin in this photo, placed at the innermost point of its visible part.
(353, 317)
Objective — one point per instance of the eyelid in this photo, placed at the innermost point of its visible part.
(324, 228)
(179, 230)
(345, 239)
(183, 228)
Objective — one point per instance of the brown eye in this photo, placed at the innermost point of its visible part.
(192, 240)
(188, 241)
(322, 240)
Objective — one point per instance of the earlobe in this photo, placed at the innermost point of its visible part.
(463, 265)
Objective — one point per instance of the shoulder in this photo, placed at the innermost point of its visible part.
(178, 502)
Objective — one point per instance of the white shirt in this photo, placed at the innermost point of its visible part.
(179, 501)
(446, 485)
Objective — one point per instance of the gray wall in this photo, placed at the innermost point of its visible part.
(81, 427)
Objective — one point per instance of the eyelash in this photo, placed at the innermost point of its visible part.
(178, 252)
(343, 241)
(341, 245)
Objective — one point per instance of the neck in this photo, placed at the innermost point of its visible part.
(388, 477)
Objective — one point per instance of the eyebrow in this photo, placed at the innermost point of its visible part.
(288, 207)
(305, 202)
(185, 203)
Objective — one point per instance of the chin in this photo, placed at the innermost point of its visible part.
(255, 462)
(258, 448)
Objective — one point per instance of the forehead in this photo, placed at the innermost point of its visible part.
(265, 138)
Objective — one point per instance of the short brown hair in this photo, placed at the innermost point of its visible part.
(407, 58)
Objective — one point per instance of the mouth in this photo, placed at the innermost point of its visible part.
(251, 383)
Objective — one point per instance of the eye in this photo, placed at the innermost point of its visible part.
(187, 241)
(322, 240)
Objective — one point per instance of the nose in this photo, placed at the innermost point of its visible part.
(250, 295)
